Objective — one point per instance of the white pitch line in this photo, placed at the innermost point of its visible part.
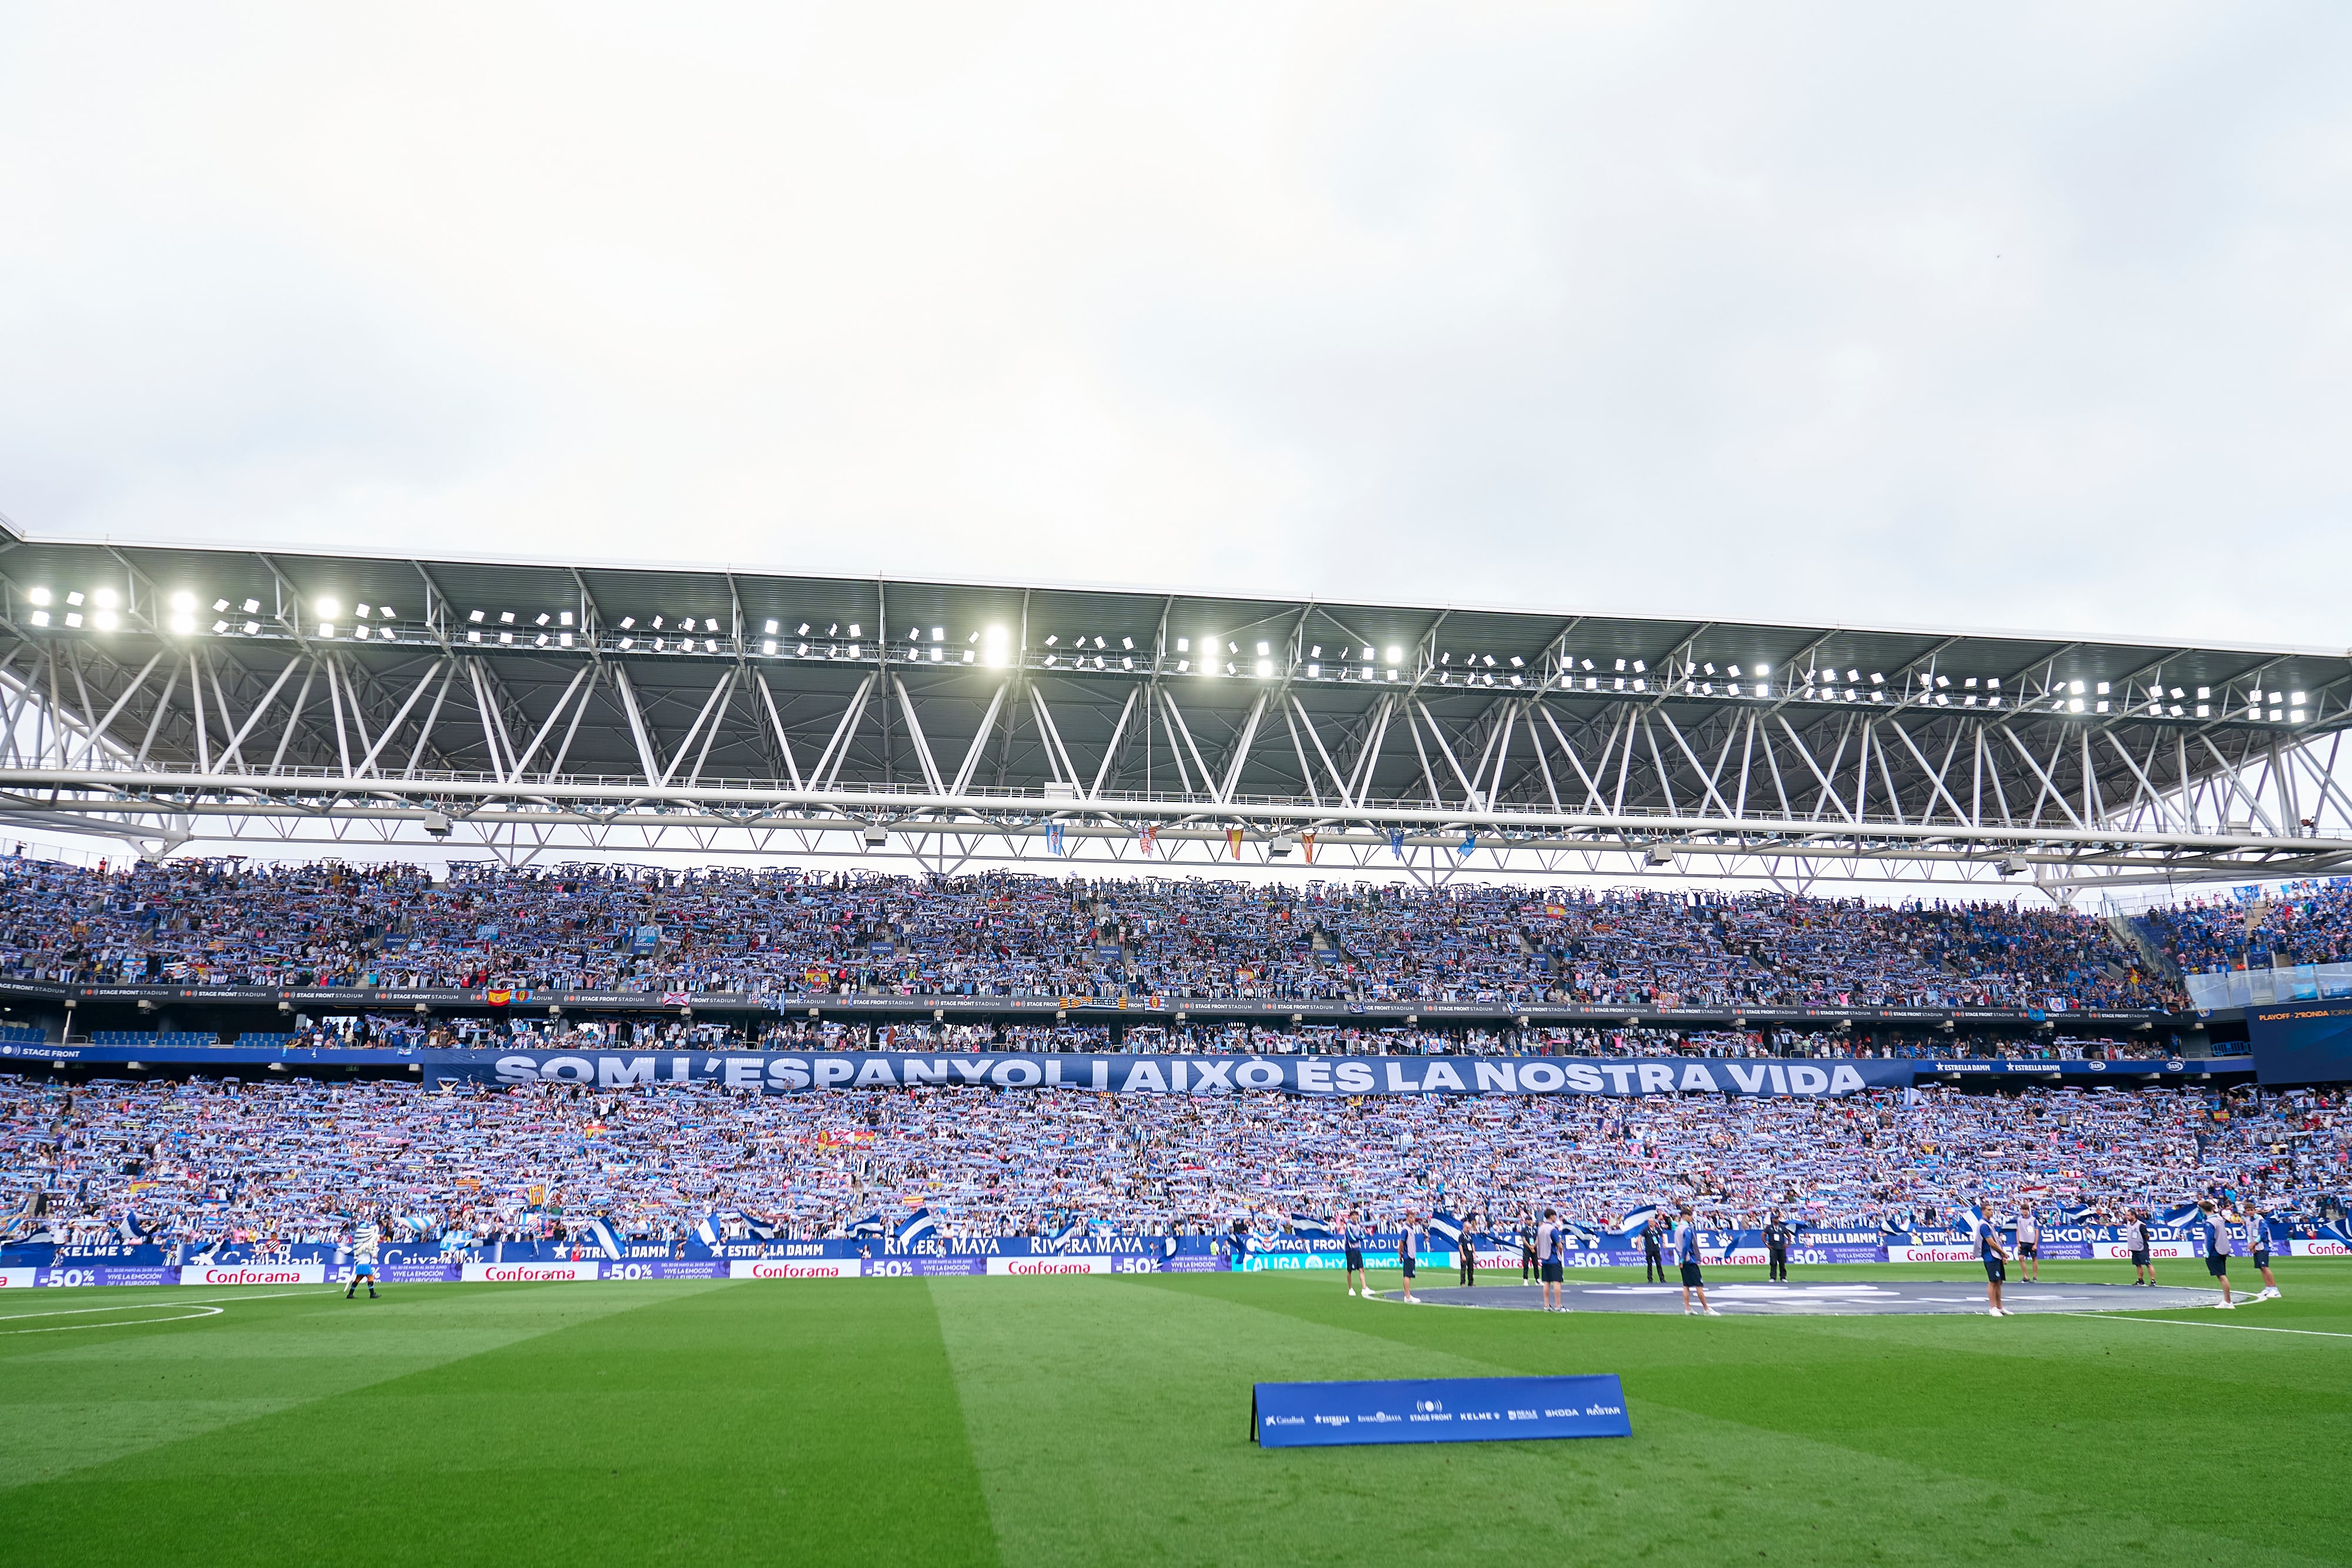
(142, 1306)
(202, 1311)
(2187, 1323)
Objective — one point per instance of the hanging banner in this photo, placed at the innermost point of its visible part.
(786, 1073)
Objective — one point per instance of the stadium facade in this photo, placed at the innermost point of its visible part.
(354, 703)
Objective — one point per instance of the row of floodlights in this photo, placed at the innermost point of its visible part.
(100, 609)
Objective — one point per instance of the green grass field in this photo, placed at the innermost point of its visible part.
(1106, 1421)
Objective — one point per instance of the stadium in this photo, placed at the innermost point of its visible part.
(890, 1065)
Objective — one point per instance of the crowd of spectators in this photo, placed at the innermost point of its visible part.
(293, 1161)
(786, 931)
(2303, 922)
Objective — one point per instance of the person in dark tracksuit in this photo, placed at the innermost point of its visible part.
(1653, 1252)
(1777, 1237)
(1466, 1250)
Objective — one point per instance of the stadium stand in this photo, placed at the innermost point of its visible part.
(293, 1160)
(210, 923)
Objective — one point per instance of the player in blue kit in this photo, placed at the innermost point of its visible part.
(1996, 1261)
(1686, 1256)
(2216, 1246)
(1351, 1238)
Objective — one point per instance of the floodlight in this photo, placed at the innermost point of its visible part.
(1316, 652)
(327, 609)
(74, 598)
(1183, 645)
(2294, 696)
(103, 619)
(1760, 669)
(40, 617)
(106, 598)
(1639, 668)
(2077, 688)
(476, 617)
(769, 646)
(938, 634)
(804, 631)
(251, 606)
(37, 595)
(543, 616)
(1264, 666)
(1100, 643)
(562, 620)
(326, 628)
(854, 631)
(1396, 656)
(184, 601)
(506, 617)
(1709, 668)
(1876, 678)
(628, 623)
(2102, 687)
(1261, 650)
(252, 628)
(1053, 640)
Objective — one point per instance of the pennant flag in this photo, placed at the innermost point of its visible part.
(1446, 1227)
(1053, 837)
(1635, 1221)
(869, 1225)
(1307, 842)
(1469, 845)
(917, 1226)
(605, 1239)
(1150, 836)
(1233, 842)
(705, 1231)
(1307, 1224)
(1396, 842)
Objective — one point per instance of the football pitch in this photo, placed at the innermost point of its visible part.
(1106, 1420)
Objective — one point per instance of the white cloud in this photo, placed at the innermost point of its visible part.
(2008, 317)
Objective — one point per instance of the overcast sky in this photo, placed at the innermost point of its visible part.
(1994, 316)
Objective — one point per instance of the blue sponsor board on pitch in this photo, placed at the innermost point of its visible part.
(1437, 1410)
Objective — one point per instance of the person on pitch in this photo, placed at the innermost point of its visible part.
(2258, 1248)
(1408, 1256)
(1653, 1250)
(366, 1238)
(1777, 1237)
(1527, 1269)
(1466, 1256)
(1547, 1263)
(2029, 1247)
(2216, 1246)
(1352, 1239)
(1687, 1255)
(1995, 1256)
(2134, 1228)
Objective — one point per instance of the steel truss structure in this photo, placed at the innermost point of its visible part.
(226, 700)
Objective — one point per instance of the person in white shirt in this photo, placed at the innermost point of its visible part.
(1547, 1263)
(2258, 1248)
(2028, 1246)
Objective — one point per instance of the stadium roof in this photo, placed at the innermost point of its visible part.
(171, 695)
